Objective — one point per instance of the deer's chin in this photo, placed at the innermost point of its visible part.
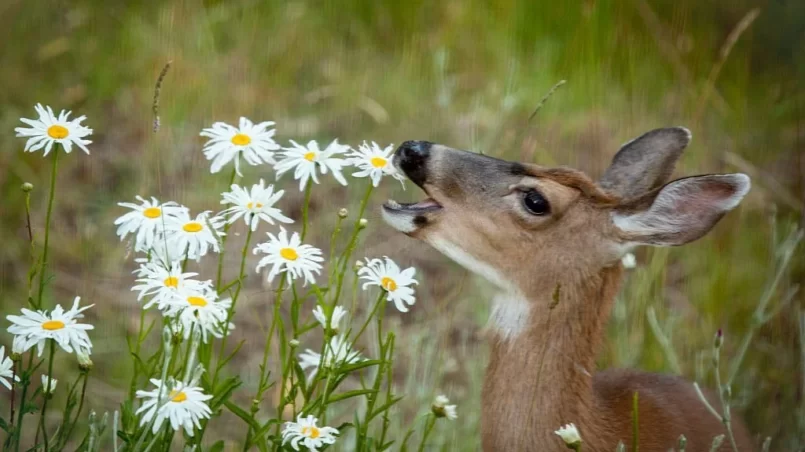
(410, 217)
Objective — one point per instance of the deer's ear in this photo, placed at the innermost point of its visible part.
(680, 212)
(645, 163)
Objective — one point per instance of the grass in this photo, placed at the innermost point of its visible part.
(467, 74)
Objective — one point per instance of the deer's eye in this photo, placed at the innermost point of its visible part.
(535, 203)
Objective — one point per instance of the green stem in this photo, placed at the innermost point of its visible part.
(135, 373)
(47, 395)
(223, 238)
(428, 429)
(231, 312)
(21, 415)
(305, 207)
(51, 196)
(725, 405)
(80, 406)
(635, 428)
(344, 259)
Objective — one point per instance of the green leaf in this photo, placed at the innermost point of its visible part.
(385, 406)
(217, 447)
(224, 391)
(360, 365)
(239, 412)
(4, 425)
(348, 394)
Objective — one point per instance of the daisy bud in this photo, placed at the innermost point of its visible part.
(717, 442)
(719, 339)
(27, 187)
(683, 442)
(342, 213)
(362, 223)
(358, 265)
(167, 339)
(440, 408)
(570, 435)
(293, 343)
(84, 362)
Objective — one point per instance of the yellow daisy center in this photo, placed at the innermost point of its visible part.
(289, 254)
(388, 284)
(378, 162)
(241, 140)
(193, 226)
(52, 325)
(177, 396)
(152, 212)
(171, 281)
(58, 132)
(311, 432)
(197, 301)
(252, 205)
(310, 156)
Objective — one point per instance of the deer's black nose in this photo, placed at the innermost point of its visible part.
(412, 157)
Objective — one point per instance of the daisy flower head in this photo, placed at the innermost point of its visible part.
(200, 310)
(253, 142)
(307, 160)
(388, 276)
(50, 129)
(374, 163)
(570, 435)
(163, 284)
(147, 220)
(36, 327)
(289, 256)
(338, 314)
(254, 205)
(441, 408)
(306, 432)
(629, 261)
(337, 353)
(184, 405)
(48, 383)
(195, 235)
(6, 369)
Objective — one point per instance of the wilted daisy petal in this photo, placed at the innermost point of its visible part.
(374, 162)
(6, 369)
(289, 256)
(183, 405)
(569, 434)
(253, 142)
(337, 352)
(629, 261)
(49, 129)
(49, 383)
(307, 160)
(254, 205)
(147, 220)
(338, 314)
(388, 276)
(36, 327)
(306, 433)
(441, 408)
(195, 235)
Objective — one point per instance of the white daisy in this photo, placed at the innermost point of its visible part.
(441, 408)
(395, 282)
(49, 129)
(162, 284)
(306, 432)
(195, 235)
(37, 327)
(200, 310)
(570, 435)
(305, 160)
(337, 353)
(252, 141)
(147, 219)
(6, 369)
(184, 406)
(629, 261)
(49, 382)
(374, 162)
(289, 256)
(164, 253)
(255, 205)
(18, 345)
(338, 314)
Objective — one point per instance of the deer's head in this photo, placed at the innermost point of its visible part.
(521, 225)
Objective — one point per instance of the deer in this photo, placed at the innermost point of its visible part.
(550, 241)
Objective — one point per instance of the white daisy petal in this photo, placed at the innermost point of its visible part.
(194, 235)
(7, 370)
(199, 309)
(306, 431)
(308, 160)
(147, 221)
(253, 205)
(35, 328)
(335, 323)
(49, 129)
(337, 353)
(387, 275)
(183, 405)
(374, 163)
(290, 257)
(254, 143)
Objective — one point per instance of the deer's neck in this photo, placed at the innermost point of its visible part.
(542, 361)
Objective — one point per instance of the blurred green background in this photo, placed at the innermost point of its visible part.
(463, 73)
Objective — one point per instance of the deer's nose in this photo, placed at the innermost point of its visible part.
(412, 157)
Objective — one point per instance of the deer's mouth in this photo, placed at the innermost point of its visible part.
(410, 217)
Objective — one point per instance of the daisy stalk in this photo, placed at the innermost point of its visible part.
(353, 241)
(428, 428)
(227, 225)
(47, 396)
(51, 196)
(305, 206)
(167, 346)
